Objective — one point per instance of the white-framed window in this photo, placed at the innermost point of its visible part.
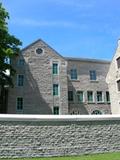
(56, 110)
(80, 96)
(55, 89)
(19, 103)
(73, 74)
(55, 68)
(70, 96)
(90, 96)
(92, 75)
(99, 96)
(20, 79)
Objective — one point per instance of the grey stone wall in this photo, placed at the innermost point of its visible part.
(37, 90)
(112, 77)
(83, 83)
(41, 138)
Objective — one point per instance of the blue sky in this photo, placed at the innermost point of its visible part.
(74, 28)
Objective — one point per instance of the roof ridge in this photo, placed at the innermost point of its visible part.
(87, 59)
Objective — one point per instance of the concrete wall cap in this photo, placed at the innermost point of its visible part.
(19, 117)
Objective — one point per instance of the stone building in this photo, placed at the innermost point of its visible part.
(113, 80)
(47, 83)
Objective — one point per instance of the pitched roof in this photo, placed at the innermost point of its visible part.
(45, 44)
(68, 58)
(87, 60)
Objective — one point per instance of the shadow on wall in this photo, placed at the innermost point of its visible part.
(34, 102)
(76, 107)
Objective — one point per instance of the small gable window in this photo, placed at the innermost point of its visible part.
(39, 50)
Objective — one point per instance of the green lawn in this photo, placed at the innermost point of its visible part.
(106, 156)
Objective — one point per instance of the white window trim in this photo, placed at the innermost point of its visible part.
(83, 96)
(56, 62)
(51, 65)
(58, 90)
(92, 80)
(93, 97)
(76, 72)
(102, 97)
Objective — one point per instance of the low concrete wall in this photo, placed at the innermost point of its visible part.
(40, 136)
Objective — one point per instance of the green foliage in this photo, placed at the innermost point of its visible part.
(105, 156)
(9, 47)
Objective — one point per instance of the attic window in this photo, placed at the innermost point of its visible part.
(39, 50)
(118, 62)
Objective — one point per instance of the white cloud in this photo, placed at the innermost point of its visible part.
(37, 23)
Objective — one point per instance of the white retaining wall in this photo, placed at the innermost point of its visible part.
(49, 135)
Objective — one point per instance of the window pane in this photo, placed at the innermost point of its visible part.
(99, 96)
(118, 85)
(92, 75)
(55, 89)
(73, 73)
(107, 96)
(90, 96)
(19, 103)
(70, 95)
(7, 60)
(80, 96)
(55, 68)
(21, 62)
(56, 110)
(20, 80)
(118, 62)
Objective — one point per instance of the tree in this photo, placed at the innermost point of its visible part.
(9, 47)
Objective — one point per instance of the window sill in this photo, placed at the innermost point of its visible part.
(55, 74)
(108, 102)
(94, 81)
(75, 80)
(100, 102)
(90, 102)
